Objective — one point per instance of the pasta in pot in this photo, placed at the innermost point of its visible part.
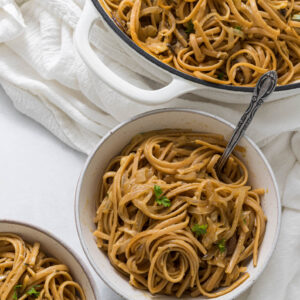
(170, 224)
(27, 273)
(220, 41)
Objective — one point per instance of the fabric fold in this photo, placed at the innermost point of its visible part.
(11, 20)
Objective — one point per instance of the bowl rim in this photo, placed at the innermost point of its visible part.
(172, 70)
(81, 263)
(158, 111)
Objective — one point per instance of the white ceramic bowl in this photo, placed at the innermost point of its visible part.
(260, 175)
(56, 248)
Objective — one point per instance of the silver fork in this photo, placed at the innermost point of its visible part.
(264, 88)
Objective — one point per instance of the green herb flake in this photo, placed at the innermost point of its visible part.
(157, 191)
(220, 76)
(238, 27)
(244, 220)
(15, 295)
(221, 245)
(199, 229)
(161, 200)
(238, 30)
(33, 292)
(164, 201)
(18, 286)
(296, 17)
(189, 27)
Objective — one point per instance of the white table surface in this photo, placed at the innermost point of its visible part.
(38, 176)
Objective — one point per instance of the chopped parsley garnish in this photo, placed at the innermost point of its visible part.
(238, 30)
(199, 229)
(221, 245)
(296, 17)
(189, 27)
(238, 27)
(161, 200)
(157, 191)
(164, 201)
(33, 292)
(15, 295)
(220, 76)
(244, 220)
(18, 286)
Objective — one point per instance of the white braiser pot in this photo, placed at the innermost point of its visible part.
(177, 83)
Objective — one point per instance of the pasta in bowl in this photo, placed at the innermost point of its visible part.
(167, 223)
(170, 224)
(27, 272)
(224, 42)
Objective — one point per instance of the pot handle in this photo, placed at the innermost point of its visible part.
(175, 88)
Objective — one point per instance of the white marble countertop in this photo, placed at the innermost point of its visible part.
(38, 176)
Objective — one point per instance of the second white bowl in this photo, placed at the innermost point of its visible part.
(55, 248)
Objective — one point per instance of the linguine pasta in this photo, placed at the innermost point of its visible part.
(170, 224)
(27, 273)
(221, 41)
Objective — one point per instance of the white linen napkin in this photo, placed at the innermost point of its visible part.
(46, 79)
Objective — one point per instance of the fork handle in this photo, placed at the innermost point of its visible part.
(265, 86)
